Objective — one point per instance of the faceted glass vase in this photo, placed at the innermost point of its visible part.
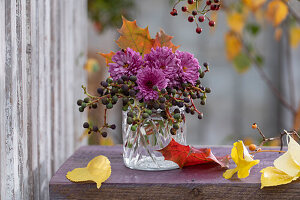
(140, 147)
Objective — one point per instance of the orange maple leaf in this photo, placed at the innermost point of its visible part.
(134, 37)
(107, 57)
(164, 40)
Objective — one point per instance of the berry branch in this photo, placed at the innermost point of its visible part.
(169, 105)
(268, 82)
(213, 6)
(258, 149)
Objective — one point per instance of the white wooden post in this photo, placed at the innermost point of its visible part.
(43, 47)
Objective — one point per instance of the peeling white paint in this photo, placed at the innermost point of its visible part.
(43, 50)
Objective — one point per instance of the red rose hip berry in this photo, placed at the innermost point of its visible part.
(198, 30)
(191, 18)
(201, 18)
(184, 8)
(190, 1)
(208, 2)
(174, 12)
(211, 23)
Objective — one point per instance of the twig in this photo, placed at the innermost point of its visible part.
(265, 139)
(269, 83)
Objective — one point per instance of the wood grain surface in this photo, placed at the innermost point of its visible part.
(196, 182)
(43, 50)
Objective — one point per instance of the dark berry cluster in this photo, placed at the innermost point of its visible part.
(170, 104)
(198, 15)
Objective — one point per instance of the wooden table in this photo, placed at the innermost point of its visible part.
(196, 182)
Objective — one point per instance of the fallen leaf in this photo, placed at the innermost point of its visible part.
(162, 39)
(295, 37)
(134, 37)
(107, 57)
(236, 22)
(286, 167)
(272, 176)
(187, 156)
(98, 170)
(289, 162)
(277, 11)
(243, 160)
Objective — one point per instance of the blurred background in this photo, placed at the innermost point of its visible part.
(240, 92)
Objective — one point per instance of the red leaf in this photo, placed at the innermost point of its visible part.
(187, 156)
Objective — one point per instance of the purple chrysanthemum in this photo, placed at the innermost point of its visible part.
(189, 67)
(146, 79)
(125, 62)
(163, 58)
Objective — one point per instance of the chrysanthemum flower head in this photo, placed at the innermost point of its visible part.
(163, 58)
(189, 67)
(125, 62)
(146, 79)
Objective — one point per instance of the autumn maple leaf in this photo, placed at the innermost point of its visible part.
(187, 156)
(164, 40)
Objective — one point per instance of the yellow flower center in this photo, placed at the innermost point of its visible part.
(126, 65)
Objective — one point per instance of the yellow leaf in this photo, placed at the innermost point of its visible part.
(242, 159)
(277, 11)
(289, 161)
(162, 39)
(91, 65)
(254, 4)
(233, 45)
(294, 150)
(107, 57)
(236, 22)
(278, 33)
(98, 170)
(273, 177)
(297, 120)
(134, 37)
(294, 36)
(287, 167)
(106, 141)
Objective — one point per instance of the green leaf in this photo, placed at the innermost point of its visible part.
(259, 60)
(253, 29)
(241, 63)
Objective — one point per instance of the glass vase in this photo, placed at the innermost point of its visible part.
(140, 146)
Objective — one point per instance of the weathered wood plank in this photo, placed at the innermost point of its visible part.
(37, 73)
(196, 182)
(2, 101)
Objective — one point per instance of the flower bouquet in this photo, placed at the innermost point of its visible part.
(157, 85)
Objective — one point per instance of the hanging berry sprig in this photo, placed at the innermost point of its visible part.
(199, 15)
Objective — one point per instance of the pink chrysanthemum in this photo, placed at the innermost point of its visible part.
(146, 79)
(163, 58)
(125, 62)
(189, 67)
